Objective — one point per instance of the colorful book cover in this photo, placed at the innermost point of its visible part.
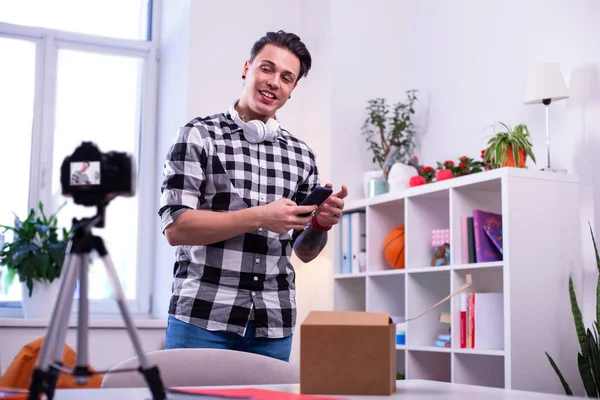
(494, 232)
(485, 249)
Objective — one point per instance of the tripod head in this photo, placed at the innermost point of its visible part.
(97, 221)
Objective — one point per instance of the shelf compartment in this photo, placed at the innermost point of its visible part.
(424, 214)
(350, 294)
(381, 219)
(387, 293)
(479, 370)
(423, 291)
(434, 366)
(486, 196)
(485, 280)
(401, 362)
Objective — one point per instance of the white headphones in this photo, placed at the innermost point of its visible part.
(256, 131)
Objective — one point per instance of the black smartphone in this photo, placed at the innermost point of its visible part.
(316, 197)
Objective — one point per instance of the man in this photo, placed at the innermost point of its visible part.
(80, 177)
(230, 203)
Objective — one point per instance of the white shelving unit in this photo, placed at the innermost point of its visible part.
(541, 235)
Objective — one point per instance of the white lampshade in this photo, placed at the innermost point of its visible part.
(545, 81)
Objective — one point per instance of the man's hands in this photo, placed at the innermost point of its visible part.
(283, 215)
(330, 212)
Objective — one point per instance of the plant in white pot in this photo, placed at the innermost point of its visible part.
(390, 134)
(36, 255)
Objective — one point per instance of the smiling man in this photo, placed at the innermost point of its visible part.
(230, 200)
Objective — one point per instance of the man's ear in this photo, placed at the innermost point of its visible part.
(245, 69)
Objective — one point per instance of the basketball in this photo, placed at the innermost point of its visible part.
(393, 247)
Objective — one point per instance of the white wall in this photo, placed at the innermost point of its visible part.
(469, 60)
(172, 110)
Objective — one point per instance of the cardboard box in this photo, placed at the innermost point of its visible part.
(347, 352)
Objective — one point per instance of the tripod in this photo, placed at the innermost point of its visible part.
(75, 267)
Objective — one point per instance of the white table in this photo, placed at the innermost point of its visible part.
(406, 390)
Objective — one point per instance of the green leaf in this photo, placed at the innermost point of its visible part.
(597, 266)
(560, 376)
(593, 357)
(578, 319)
(36, 252)
(586, 376)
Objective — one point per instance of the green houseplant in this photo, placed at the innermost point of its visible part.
(36, 253)
(389, 130)
(510, 147)
(588, 358)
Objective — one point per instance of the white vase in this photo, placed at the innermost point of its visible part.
(42, 300)
(399, 176)
(371, 177)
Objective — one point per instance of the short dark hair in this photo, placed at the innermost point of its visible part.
(288, 41)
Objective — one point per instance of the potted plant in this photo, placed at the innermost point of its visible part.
(390, 131)
(588, 358)
(509, 148)
(36, 255)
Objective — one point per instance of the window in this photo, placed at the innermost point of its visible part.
(109, 18)
(81, 71)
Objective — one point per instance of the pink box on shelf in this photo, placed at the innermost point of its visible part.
(439, 237)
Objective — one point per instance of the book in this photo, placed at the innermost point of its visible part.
(485, 250)
(482, 321)
(471, 240)
(9, 393)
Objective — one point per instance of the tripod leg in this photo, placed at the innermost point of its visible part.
(45, 375)
(151, 374)
(82, 370)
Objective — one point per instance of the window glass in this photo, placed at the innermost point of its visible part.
(98, 100)
(125, 19)
(17, 83)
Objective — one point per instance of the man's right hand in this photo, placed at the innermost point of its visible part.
(282, 215)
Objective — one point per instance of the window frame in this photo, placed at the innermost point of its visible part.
(48, 43)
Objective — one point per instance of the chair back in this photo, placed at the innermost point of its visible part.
(205, 367)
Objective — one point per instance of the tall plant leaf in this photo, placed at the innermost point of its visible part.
(566, 386)
(578, 319)
(598, 267)
(586, 376)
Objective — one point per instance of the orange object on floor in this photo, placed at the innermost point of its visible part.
(18, 374)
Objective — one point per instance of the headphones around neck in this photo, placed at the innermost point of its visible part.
(256, 131)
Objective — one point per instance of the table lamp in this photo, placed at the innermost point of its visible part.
(545, 84)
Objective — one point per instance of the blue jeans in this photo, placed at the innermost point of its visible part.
(183, 335)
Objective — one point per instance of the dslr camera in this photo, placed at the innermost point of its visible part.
(93, 178)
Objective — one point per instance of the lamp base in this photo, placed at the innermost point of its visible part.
(556, 170)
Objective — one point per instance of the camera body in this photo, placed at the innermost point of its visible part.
(94, 178)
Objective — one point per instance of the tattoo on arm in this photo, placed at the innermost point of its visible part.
(310, 243)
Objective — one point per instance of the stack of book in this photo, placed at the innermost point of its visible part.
(444, 339)
(482, 321)
(481, 237)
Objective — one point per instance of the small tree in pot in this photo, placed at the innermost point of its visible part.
(36, 253)
(390, 131)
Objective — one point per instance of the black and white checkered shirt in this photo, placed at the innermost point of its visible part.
(210, 166)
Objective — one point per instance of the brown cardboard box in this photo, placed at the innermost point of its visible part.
(347, 352)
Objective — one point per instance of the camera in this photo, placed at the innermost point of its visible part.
(94, 178)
